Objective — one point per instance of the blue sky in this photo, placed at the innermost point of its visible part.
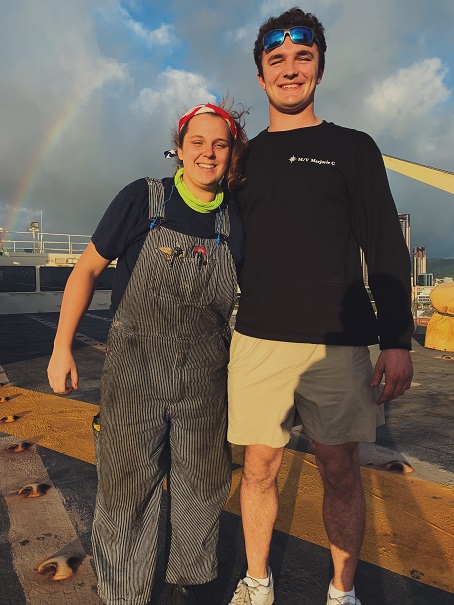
(92, 88)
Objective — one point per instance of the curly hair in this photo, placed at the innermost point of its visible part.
(234, 177)
(291, 18)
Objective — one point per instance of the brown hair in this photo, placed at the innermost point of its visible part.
(291, 18)
(234, 177)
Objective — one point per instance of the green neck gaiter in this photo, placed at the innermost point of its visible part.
(191, 200)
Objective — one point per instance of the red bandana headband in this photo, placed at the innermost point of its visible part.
(209, 108)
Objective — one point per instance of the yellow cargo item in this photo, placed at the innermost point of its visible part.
(440, 330)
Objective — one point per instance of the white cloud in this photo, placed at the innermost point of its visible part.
(175, 89)
(409, 95)
(118, 24)
(161, 36)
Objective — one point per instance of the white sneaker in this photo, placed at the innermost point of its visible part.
(345, 600)
(251, 592)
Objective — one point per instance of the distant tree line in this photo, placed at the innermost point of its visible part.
(441, 267)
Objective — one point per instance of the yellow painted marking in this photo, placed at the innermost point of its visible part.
(58, 423)
(410, 525)
(410, 522)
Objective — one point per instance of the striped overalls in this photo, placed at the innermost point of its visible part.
(163, 411)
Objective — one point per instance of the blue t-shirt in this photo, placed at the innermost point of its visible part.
(125, 225)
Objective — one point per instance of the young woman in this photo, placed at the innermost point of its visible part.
(163, 388)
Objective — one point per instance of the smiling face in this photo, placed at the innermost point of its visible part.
(290, 76)
(205, 154)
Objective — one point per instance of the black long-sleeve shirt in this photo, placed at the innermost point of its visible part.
(314, 197)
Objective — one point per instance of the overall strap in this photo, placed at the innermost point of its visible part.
(155, 198)
(224, 227)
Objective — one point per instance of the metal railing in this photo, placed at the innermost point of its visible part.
(34, 242)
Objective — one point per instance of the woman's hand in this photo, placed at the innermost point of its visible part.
(62, 366)
(76, 300)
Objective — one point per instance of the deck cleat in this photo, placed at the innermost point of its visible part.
(34, 490)
(60, 568)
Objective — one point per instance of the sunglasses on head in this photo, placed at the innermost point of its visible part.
(298, 35)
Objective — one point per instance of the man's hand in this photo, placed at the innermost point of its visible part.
(397, 367)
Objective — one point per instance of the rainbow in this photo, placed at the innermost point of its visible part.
(54, 135)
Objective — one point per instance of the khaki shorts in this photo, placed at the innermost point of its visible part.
(327, 384)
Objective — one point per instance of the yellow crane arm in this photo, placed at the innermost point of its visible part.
(442, 179)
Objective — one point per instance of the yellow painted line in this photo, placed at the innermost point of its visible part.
(410, 526)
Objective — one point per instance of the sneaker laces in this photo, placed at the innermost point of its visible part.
(243, 593)
(345, 600)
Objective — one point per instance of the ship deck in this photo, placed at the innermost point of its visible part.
(408, 552)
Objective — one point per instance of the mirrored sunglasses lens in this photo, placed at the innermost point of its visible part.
(302, 35)
(273, 39)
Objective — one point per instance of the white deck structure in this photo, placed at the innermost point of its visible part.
(34, 268)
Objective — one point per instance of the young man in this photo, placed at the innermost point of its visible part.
(316, 194)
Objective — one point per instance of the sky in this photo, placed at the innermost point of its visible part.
(91, 90)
